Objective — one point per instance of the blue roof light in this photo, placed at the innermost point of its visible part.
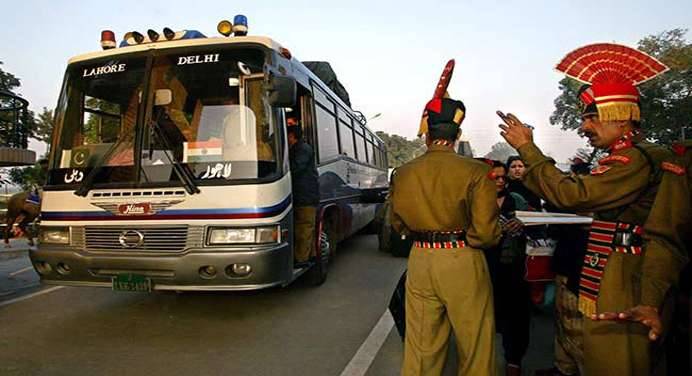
(240, 25)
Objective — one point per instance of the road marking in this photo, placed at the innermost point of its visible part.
(360, 363)
(20, 271)
(25, 297)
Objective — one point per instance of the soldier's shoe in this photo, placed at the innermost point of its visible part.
(554, 371)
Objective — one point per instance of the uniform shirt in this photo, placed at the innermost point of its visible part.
(622, 188)
(443, 191)
(619, 189)
(667, 230)
(304, 178)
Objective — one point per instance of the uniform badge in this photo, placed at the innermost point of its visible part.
(673, 168)
(615, 158)
(600, 170)
(594, 259)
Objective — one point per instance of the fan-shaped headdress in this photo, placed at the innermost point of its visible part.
(612, 72)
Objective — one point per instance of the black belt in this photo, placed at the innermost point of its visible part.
(438, 237)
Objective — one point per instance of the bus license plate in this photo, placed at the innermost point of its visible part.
(131, 282)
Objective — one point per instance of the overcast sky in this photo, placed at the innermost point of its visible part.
(388, 54)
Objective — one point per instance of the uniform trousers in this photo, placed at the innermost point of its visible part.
(569, 352)
(304, 223)
(448, 289)
(614, 347)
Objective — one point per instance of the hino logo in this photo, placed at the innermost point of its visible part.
(131, 239)
(135, 209)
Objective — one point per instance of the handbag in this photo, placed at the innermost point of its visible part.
(539, 257)
(397, 306)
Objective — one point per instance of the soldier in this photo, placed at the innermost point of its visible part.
(667, 238)
(447, 203)
(620, 192)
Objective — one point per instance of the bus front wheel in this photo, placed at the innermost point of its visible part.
(318, 272)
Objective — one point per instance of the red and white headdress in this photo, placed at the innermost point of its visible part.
(613, 71)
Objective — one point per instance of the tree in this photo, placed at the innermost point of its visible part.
(44, 126)
(27, 123)
(28, 177)
(399, 149)
(501, 151)
(666, 101)
(8, 82)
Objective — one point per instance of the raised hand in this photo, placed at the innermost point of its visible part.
(514, 131)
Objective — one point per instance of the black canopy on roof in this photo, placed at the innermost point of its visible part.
(324, 72)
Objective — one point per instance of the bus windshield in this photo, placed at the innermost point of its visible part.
(208, 106)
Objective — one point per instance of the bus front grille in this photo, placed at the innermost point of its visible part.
(150, 238)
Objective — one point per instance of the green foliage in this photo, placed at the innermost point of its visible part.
(27, 123)
(567, 112)
(8, 82)
(45, 123)
(666, 101)
(28, 177)
(399, 149)
(501, 151)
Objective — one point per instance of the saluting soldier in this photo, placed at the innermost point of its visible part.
(447, 203)
(620, 192)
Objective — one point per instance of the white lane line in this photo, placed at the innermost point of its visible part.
(25, 297)
(365, 355)
(20, 271)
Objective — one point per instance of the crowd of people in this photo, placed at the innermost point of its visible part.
(615, 278)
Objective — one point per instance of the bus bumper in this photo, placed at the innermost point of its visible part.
(188, 271)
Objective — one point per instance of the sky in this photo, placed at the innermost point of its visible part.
(388, 54)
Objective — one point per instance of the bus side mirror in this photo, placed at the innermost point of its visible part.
(163, 97)
(281, 91)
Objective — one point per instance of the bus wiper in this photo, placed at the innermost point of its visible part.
(184, 174)
(88, 181)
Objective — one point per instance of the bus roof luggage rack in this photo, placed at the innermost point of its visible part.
(324, 72)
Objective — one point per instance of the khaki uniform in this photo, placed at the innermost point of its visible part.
(447, 288)
(621, 189)
(667, 234)
(304, 219)
(569, 349)
(667, 231)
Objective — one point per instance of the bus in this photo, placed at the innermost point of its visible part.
(169, 167)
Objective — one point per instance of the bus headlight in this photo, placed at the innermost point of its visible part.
(259, 235)
(54, 235)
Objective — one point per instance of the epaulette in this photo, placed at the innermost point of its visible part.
(614, 158)
(673, 168)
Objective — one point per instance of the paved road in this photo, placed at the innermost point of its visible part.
(297, 330)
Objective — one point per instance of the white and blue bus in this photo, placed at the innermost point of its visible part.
(169, 166)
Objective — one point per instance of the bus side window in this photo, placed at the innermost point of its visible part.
(360, 145)
(327, 139)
